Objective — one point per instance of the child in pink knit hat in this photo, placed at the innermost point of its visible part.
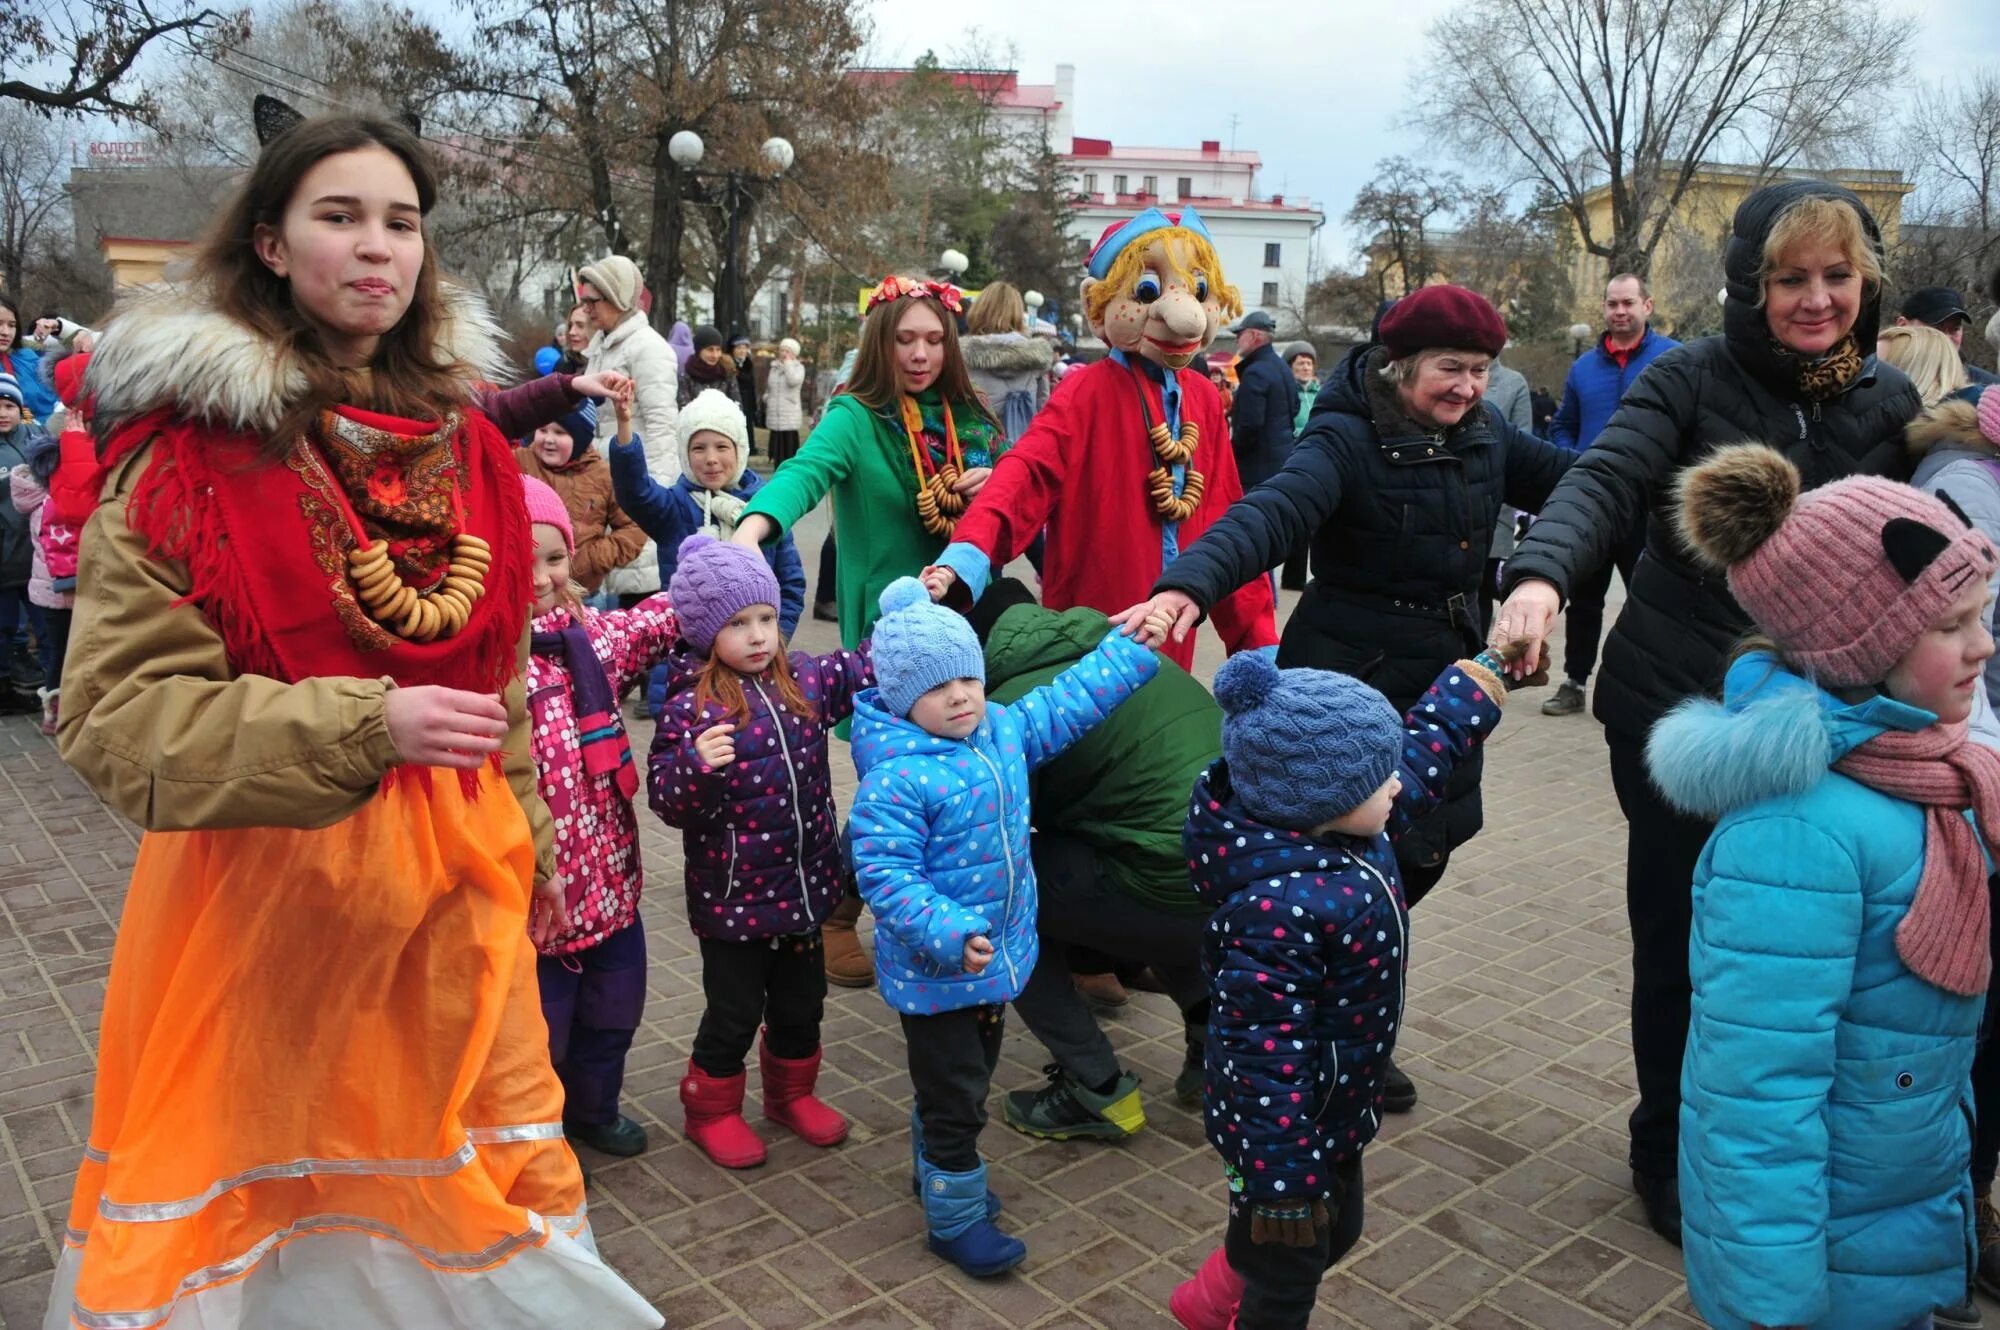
(1840, 945)
(585, 919)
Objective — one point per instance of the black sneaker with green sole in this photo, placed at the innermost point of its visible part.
(1067, 1110)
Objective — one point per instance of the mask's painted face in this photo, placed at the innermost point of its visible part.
(1165, 317)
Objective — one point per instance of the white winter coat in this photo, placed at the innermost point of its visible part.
(636, 348)
(782, 409)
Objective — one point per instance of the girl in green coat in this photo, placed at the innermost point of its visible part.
(902, 451)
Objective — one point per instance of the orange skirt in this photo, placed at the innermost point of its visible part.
(323, 1091)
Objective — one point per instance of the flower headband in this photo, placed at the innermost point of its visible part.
(894, 287)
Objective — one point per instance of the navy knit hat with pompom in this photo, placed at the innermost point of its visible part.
(919, 645)
(1304, 746)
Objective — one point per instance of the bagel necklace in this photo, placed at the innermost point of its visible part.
(939, 506)
(421, 616)
(1169, 451)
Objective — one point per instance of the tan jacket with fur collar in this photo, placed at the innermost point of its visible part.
(153, 716)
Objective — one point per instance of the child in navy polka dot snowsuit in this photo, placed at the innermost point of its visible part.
(739, 763)
(940, 831)
(1289, 836)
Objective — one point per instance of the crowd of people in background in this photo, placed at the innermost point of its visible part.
(433, 751)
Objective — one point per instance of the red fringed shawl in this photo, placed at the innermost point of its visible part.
(266, 544)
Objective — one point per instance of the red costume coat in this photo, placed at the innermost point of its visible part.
(1080, 470)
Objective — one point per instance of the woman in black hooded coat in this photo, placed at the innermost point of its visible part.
(1795, 368)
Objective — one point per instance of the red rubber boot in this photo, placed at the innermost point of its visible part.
(789, 1100)
(1208, 1301)
(714, 1107)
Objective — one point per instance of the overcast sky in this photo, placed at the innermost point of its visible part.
(1316, 84)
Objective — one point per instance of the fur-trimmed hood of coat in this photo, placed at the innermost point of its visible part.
(168, 345)
(1952, 423)
(1007, 354)
(1775, 733)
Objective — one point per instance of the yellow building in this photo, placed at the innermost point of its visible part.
(1687, 267)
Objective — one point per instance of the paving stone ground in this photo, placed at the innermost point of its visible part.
(1501, 1203)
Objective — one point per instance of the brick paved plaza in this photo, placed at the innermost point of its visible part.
(1502, 1202)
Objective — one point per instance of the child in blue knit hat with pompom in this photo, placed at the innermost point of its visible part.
(940, 831)
(1289, 837)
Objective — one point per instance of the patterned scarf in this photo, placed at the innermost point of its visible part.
(1944, 936)
(1826, 376)
(599, 728)
(975, 432)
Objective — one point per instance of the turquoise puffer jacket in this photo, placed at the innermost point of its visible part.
(940, 830)
(1826, 1107)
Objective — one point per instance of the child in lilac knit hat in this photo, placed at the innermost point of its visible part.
(740, 765)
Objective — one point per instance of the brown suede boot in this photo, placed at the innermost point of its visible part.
(847, 965)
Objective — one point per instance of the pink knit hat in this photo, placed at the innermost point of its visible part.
(546, 506)
(1846, 577)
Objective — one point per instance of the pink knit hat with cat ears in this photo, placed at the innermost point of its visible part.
(1845, 578)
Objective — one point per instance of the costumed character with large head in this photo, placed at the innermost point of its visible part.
(1130, 461)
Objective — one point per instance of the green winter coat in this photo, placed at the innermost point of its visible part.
(1123, 788)
(853, 456)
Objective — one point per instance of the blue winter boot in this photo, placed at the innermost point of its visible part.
(955, 1210)
(917, 1167)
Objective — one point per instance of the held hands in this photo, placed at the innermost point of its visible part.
(548, 913)
(978, 955)
(444, 727)
(715, 746)
(937, 580)
(605, 384)
(1524, 621)
(621, 402)
(1286, 1223)
(1171, 613)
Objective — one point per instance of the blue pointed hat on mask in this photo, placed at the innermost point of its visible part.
(1116, 237)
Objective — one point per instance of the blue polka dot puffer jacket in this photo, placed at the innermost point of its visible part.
(1305, 958)
(940, 830)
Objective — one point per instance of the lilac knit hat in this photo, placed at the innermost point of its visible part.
(1845, 578)
(715, 581)
(545, 506)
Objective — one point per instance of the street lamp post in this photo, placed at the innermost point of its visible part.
(776, 157)
(1579, 333)
(953, 264)
(1033, 300)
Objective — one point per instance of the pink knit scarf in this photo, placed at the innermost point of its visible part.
(1944, 936)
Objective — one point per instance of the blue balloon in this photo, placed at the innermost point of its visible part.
(546, 360)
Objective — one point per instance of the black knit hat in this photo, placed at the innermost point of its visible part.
(706, 336)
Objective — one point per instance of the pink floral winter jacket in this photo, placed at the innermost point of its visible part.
(597, 833)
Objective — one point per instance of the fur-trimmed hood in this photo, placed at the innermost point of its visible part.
(1007, 354)
(168, 345)
(1951, 424)
(1774, 734)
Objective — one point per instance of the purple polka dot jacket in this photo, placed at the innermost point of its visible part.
(1305, 957)
(760, 835)
(940, 830)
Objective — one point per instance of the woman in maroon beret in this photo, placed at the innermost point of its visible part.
(1396, 481)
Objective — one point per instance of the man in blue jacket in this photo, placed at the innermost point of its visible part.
(1592, 392)
(1267, 402)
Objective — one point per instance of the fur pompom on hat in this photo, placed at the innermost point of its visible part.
(1303, 746)
(617, 279)
(919, 645)
(715, 581)
(712, 410)
(1845, 578)
(545, 508)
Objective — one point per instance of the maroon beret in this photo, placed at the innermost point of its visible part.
(1442, 316)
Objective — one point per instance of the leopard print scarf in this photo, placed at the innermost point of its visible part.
(1826, 376)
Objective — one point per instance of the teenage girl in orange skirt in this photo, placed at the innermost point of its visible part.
(323, 1094)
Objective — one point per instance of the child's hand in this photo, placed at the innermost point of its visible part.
(978, 955)
(1156, 625)
(621, 403)
(1286, 1223)
(1143, 621)
(715, 747)
(937, 580)
(548, 912)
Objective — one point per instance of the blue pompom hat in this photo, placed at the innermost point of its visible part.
(919, 645)
(1303, 746)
